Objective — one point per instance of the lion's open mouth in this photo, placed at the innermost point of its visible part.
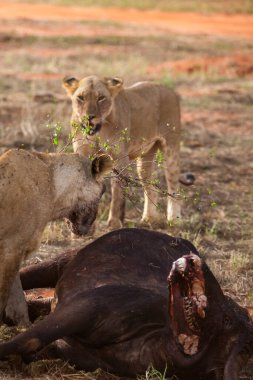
(81, 221)
(91, 129)
(187, 302)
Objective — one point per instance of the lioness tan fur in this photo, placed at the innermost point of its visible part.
(133, 122)
(36, 188)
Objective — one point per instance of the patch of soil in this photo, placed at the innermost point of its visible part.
(230, 65)
(39, 293)
(66, 29)
(222, 123)
(232, 25)
(250, 310)
(39, 76)
(47, 52)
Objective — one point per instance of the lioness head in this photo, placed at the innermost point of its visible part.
(92, 100)
(79, 185)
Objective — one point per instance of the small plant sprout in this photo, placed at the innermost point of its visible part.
(154, 374)
(106, 146)
(212, 152)
(83, 126)
(56, 131)
(159, 158)
(124, 135)
(155, 182)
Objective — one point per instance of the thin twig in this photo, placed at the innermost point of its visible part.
(127, 181)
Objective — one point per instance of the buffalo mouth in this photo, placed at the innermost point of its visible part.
(80, 221)
(188, 302)
(91, 128)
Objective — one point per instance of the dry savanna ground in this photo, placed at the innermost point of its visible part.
(206, 57)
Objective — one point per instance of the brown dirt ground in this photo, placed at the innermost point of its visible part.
(208, 59)
(230, 65)
(233, 25)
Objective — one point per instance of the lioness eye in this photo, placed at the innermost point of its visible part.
(81, 98)
(101, 98)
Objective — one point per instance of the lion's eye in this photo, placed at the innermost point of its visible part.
(81, 98)
(101, 98)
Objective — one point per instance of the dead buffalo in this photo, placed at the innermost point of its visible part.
(133, 298)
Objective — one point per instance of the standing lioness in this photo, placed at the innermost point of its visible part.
(36, 188)
(133, 122)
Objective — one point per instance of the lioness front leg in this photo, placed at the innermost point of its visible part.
(117, 206)
(12, 299)
(172, 171)
(16, 308)
(144, 170)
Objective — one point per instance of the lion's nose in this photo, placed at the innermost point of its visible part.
(91, 116)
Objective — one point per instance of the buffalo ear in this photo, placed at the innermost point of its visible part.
(114, 85)
(70, 84)
(101, 165)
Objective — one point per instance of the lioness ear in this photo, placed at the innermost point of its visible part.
(101, 165)
(70, 84)
(114, 85)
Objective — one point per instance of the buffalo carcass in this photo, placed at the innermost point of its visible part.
(135, 298)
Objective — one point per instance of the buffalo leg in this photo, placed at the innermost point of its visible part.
(39, 307)
(75, 353)
(46, 273)
(58, 324)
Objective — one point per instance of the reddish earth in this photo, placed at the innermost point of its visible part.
(219, 121)
(53, 20)
(187, 23)
(250, 310)
(37, 20)
(230, 65)
(70, 30)
(39, 293)
(39, 76)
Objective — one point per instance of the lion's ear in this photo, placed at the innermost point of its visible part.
(114, 85)
(101, 165)
(70, 84)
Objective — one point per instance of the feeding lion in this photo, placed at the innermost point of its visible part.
(133, 123)
(36, 188)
